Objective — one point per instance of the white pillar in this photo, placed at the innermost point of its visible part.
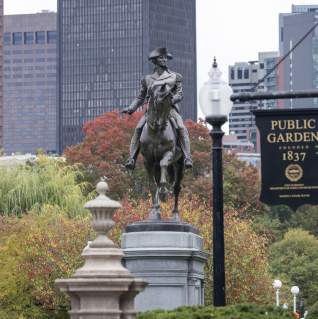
(102, 288)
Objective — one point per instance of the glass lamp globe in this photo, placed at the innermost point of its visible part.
(214, 96)
(294, 290)
(277, 284)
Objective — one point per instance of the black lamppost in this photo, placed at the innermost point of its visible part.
(216, 105)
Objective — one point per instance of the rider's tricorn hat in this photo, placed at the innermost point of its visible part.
(158, 52)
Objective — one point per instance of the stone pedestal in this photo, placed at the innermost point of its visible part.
(102, 288)
(169, 256)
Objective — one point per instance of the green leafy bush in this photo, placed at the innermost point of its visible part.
(34, 251)
(243, 311)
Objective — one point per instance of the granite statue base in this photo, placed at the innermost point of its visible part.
(168, 255)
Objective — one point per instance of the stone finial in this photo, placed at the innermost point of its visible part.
(102, 187)
(102, 209)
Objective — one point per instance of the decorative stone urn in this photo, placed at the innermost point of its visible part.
(102, 288)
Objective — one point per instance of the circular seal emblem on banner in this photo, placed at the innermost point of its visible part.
(294, 172)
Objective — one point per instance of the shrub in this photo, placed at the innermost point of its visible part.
(241, 311)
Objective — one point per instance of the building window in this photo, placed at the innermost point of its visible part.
(261, 65)
(51, 37)
(281, 34)
(246, 73)
(17, 37)
(7, 38)
(239, 74)
(28, 37)
(232, 74)
(40, 37)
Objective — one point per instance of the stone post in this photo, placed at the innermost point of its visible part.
(102, 288)
(169, 255)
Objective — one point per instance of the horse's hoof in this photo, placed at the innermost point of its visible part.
(154, 214)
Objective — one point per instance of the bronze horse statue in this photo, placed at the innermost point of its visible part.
(163, 158)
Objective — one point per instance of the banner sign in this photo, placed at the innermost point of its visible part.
(289, 156)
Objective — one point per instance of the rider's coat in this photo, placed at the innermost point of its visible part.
(168, 77)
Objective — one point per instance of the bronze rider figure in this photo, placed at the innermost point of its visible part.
(161, 75)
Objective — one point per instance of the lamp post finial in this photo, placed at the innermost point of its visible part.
(215, 65)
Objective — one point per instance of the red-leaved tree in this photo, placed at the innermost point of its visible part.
(105, 149)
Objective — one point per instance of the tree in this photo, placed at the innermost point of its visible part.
(305, 217)
(104, 151)
(313, 311)
(295, 260)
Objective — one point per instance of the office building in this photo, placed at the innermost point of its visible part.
(300, 70)
(247, 77)
(1, 76)
(267, 61)
(104, 47)
(243, 76)
(30, 82)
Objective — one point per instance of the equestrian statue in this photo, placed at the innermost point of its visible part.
(160, 134)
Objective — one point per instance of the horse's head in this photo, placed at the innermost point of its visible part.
(159, 105)
(160, 92)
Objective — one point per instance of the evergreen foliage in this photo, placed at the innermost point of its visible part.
(240, 311)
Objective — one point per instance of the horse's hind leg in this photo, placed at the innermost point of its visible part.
(163, 190)
(179, 169)
(155, 210)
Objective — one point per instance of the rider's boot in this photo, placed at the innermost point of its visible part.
(134, 149)
(185, 146)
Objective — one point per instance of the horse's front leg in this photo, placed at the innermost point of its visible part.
(154, 213)
(163, 191)
(178, 173)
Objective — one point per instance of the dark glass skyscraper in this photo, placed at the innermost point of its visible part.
(1, 74)
(29, 83)
(103, 50)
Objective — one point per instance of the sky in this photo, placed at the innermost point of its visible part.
(231, 30)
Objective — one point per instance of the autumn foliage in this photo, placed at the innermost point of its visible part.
(35, 250)
(105, 149)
